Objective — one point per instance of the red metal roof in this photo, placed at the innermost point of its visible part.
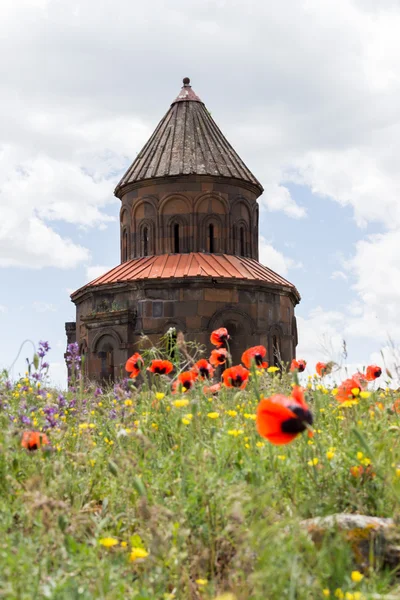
(187, 141)
(195, 264)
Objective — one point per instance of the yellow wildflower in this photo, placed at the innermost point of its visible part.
(360, 455)
(108, 542)
(339, 594)
(365, 394)
(128, 402)
(235, 432)
(330, 455)
(159, 395)
(356, 576)
(272, 369)
(313, 462)
(231, 413)
(124, 544)
(201, 581)
(185, 421)
(326, 593)
(138, 553)
(261, 445)
(181, 403)
(281, 457)
(250, 416)
(213, 415)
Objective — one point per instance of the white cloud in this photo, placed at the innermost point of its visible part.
(3, 309)
(339, 275)
(94, 271)
(42, 307)
(275, 260)
(278, 198)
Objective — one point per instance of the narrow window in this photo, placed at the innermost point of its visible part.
(176, 238)
(211, 237)
(125, 246)
(276, 351)
(145, 241)
(242, 241)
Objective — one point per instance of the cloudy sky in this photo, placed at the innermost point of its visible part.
(307, 91)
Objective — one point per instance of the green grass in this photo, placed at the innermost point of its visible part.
(217, 513)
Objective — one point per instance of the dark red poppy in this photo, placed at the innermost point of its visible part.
(219, 337)
(348, 388)
(32, 440)
(203, 369)
(218, 357)
(255, 354)
(281, 419)
(298, 365)
(160, 367)
(373, 372)
(134, 365)
(184, 382)
(235, 377)
(321, 368)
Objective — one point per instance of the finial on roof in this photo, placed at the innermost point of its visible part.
(186, 81)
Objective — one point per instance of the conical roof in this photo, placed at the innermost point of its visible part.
(187, 141)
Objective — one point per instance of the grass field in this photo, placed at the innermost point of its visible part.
(146, 494)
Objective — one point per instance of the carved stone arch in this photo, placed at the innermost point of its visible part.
(177, 234)
(169, 199)
(210, 196)
(237, 203)
(145, 240)
(125, 243)
(275, 338)
(178, 324)
(216, 245)
(105, 347)
(240, 326)
(141, 203)
(106, 332)
(255, 229)
(242, 237)
(144, 209)
(124, 218)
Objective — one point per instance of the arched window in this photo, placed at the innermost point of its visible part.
(211, 238)
(276, 351)
(242, 243)
(106, 356)
(145, 241)
(176, 238)
(124, 246)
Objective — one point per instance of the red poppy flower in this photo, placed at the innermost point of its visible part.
(373, 372)
(321, 368)
(134, 365)
(396, 406)
(347, 387)
(236, 377)
(203, 369)
(184, 382)
(218, 357)
(256, 355)
(219, 337)
(298, 365)
(160, 367)
(32, 440)
(212, 389)
(281, 419)
(364, 472)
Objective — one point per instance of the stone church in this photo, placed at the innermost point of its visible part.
(189, 252)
